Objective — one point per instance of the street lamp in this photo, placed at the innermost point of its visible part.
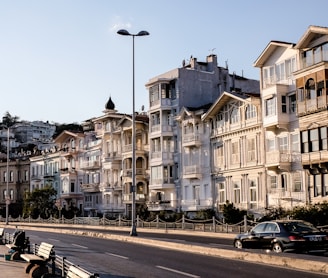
(7, 181)
(133, 188)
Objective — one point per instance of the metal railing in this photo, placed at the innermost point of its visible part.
(209, 225)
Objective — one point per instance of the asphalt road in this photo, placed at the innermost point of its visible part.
(112, 258)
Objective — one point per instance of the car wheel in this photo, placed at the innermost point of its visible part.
(238, 244)
(277, 248)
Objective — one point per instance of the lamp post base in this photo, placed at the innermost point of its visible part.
(133, 231)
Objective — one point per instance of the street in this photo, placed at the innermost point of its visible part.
(122, 259)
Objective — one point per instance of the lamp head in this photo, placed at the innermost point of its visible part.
(123, 32)
(143, 33)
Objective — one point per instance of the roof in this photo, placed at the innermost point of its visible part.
(311, 34)
(271, 48)
(222, 100)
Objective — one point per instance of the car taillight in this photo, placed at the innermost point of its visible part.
(296, 238)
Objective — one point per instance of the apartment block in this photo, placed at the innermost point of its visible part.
(175, 168)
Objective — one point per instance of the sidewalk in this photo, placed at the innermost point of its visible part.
(11, 268)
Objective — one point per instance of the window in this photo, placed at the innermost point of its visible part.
(283, 104)
(320, 88)
(300, 94)
(283, 144)
(317, 185)
(284, 182)
(270, 107)
(251, 149)
(11, 177)
(236, 191)
(290, 66)
(271, 145)
(273, 182)
(325, 52)
(310, 89)
(305, 141)
(221, 191)
(292, 103)
(325, 185)
(280, 71)
(297, 183)
(250, 111)
(235, 153)
(314, 138)
(253, 191)
(295, 143)
(323, 138)
(234, 116)
(72, 187)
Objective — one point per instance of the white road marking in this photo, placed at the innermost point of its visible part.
(76, 245)
(177, 271)
(115, 255)
(54, 239)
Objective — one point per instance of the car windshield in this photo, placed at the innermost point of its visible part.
(300, 227)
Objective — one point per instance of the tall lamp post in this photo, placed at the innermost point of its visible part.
(7, 181)
(133, 188)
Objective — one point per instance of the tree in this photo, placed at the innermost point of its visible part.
(231, 214)
(40, 202)
(9, 120)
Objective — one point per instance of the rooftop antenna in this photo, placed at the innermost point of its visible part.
(211, 51)
(226, 63)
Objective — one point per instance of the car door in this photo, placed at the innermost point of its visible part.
(268, 235)
(254, 237)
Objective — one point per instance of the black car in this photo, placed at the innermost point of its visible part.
(283, 236)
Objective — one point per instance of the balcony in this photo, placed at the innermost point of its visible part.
(161, 205)
(89, 165)
(196, 204)
(282, 160)
(140, 198)
(192, 172)
(90, 187)
(309, 106)
(160, 103)
(113, 156)
(190, 140)
(314, 157)
(162, 184)
(164, 130)
(127, 173)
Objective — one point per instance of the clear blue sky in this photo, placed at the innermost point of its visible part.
(60, 60)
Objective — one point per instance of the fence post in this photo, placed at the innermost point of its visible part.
(214, 225)
(63, 266)
(137, 221)
(245, 223)
(119, 220)
(183, 222)
(157, 221)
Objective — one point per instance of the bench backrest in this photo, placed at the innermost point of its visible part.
(19, 239)
(76, 272)
(45, 250)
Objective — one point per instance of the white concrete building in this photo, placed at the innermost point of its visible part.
(236, 152)
(193, 85)
(285, 177)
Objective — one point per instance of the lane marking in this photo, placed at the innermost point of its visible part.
(177, 271)
(77, 245)
(53, 239)
(118, 256)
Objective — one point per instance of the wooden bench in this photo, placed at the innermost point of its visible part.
(37, 262)
(19, 244)
(77, 272)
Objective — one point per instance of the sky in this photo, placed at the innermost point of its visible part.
(61, 60)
